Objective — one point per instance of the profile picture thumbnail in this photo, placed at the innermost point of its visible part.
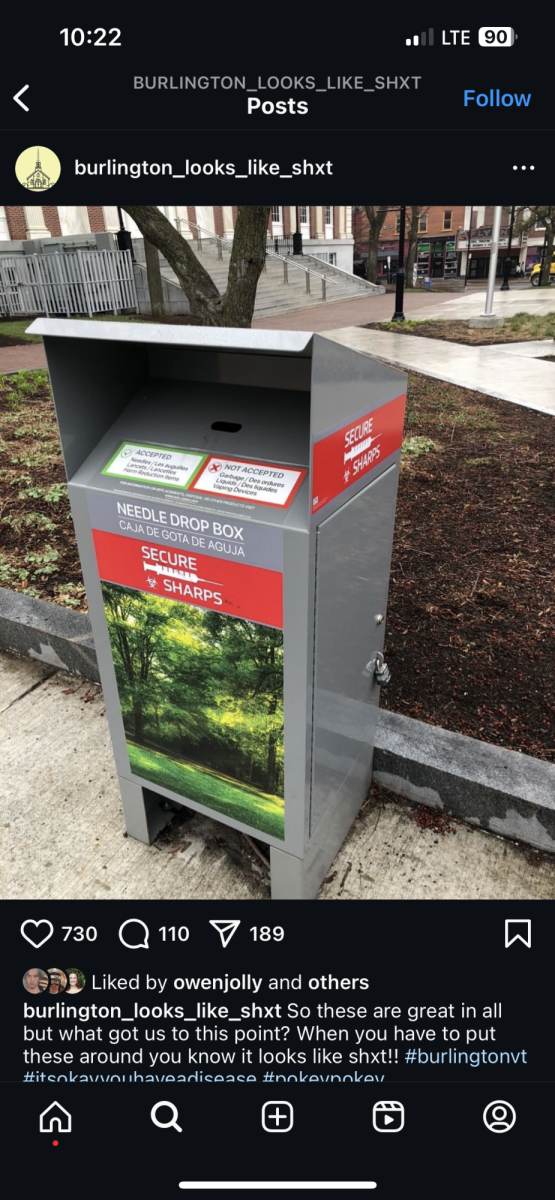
(76, 980)
(35, 981)
(57, 980)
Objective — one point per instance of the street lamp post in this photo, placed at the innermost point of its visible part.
(399, 315)
(297, 236)
(507, 264)
(125, 241)
(468, 254)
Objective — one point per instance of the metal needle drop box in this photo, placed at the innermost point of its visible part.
(233, 494)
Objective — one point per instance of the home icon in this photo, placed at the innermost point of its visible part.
(55, 1119)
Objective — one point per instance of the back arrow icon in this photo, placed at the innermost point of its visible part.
(20, 93)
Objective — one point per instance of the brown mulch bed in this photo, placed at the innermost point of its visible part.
(12, 341)
(38, 553)
(456, 331)
(470, 633)
(471, 620)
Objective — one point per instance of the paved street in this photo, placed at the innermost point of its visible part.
(462, 306)
(332, 315)
(61, 826)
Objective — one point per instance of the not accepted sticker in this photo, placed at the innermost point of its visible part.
(154, 464)
(261, 483)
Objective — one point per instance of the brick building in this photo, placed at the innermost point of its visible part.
(526, 244)
(326, 229)
(436, 253)
(452, 241)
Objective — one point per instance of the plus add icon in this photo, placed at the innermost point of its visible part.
(277, 1116)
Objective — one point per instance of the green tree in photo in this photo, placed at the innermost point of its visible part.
(201, 695)
(135, 633)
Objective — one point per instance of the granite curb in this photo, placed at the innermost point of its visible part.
(48, 633)
(499, 790)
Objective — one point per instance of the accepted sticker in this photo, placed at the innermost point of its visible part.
(262, 483)
(154, 464)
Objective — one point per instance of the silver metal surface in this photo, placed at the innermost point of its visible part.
(497, 213)
(166, 386)
(81, 281)
(353, 555)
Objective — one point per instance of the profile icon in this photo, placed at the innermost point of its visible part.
(35, 981)
(38, 169)
(499, 1116)
(57, 981)
(75, 981)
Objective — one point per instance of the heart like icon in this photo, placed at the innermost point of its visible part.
(36, 926)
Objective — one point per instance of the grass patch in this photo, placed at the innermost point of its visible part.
(209, 788)
(13, 332)
(16, 329)
(521, 327)
(475, 417)
(418, 445)
(526, 326)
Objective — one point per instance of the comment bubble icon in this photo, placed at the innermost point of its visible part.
(134, 939)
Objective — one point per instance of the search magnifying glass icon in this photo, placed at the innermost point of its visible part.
(165, 1124)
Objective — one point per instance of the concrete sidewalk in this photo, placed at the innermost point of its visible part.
(61, 829)
(510, 372)
(536, 301)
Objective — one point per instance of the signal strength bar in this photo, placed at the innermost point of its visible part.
(421, 39)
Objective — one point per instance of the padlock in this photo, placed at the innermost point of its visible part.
(382, 674)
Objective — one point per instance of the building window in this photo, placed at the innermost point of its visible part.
(276, 214)
(398, 223)
(539, 226)
(447, 219)
(327, 256)
(304, 215)
(423, 223)
(328, 212)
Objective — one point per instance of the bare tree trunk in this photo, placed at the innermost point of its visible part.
(154, 277)
(247, 260)
(236, 306)
(376, 217)
(372, 264)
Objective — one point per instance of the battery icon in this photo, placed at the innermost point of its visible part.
(496, 35)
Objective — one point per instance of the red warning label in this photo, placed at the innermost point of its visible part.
(254, 593)
(348, 454)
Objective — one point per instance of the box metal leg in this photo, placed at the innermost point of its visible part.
(297, 878)
(142, 810)
(300, 878)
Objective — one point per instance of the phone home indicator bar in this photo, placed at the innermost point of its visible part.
(274, 1186)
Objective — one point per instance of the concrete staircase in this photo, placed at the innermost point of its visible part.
(274, 293)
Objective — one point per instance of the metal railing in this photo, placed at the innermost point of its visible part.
(280, 243)
(204, 238)
(364, 283)
(80, 282)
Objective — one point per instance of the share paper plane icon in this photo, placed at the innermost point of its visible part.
(226, 929)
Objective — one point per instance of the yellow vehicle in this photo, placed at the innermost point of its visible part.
(536, 272)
